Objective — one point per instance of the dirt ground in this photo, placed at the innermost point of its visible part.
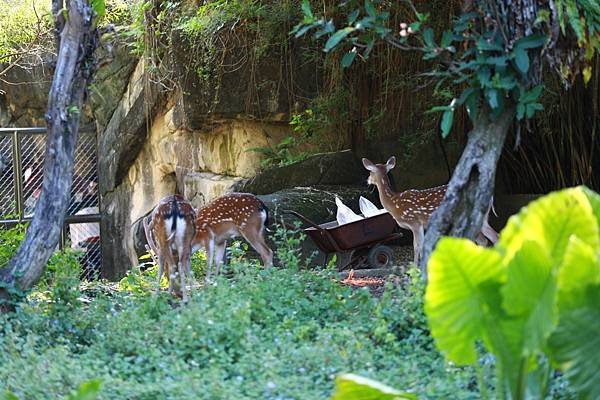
(376, 284)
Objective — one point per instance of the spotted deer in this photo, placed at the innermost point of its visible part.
(169, 234)
(412, 208)
(228, 216)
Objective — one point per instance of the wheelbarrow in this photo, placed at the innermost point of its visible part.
(358, 244)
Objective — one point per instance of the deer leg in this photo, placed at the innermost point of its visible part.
(257, 241)
(418, 235)
(210, 245)
(161, 263)
(182, 277)
(173, 272)
(219, 253)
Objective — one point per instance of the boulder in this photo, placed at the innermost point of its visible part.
(335, 168)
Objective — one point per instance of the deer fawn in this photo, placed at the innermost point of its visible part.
(228, 216)
(173, 227)
(412, 208)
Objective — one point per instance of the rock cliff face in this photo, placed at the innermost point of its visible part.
(196, 140)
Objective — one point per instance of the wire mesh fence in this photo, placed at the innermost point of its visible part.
(21, 175)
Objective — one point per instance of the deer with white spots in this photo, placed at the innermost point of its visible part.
(229, 216)
(412, 208)
(169, 234)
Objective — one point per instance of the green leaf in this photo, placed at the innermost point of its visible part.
(594, 199)
(550, 221)
(446, 123)
(370, 8)
(580, 267)
(335, 39)
(520, 111)
(530, 42)
(428, 37)
(99, 8)
(521, 59)
(457, 300)
(531, 95)
(301, 29)
(530, 294)
(531, 108)
(472, 104)
(306, 10)
(9, 396)
(354, 387)
(348, 58)
(353, 16)
(492, 98)
(447, 37)
(575, 345)
(86, 391)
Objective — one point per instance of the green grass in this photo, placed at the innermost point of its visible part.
(263, 334)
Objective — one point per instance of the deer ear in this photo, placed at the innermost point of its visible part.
(368, 164)
(391, 163)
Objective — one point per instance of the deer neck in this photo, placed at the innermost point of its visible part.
(385, 190)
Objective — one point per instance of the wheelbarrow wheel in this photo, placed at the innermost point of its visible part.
(380, 256)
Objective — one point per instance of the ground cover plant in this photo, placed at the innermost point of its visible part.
(255, 334)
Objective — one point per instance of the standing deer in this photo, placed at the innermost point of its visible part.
(173, 226)
(228, 216)
(412, 208)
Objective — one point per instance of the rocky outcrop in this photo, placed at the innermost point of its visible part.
(335, 168)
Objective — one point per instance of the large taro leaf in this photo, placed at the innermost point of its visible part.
(575, 344)
(530, 295)
(550, 221)
(353, 387)
(594, 199)
(580, 268)
(459, 299)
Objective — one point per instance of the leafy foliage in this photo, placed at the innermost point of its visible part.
(352, 387)
(477, 55)
(284, 153)
(534, 295)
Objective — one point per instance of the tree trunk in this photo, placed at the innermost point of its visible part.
(75, 64)
(471, 188)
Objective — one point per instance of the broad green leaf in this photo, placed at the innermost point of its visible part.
(428, 37)
(354, 387)
(531, 108)
(337, 37)
(446, 41)
(306, 10)
(520, 111)
(575, 345)
(492, 98)
(472, 104)
(531, 42)
(521, 59)
(348, 58)
(9, 396)
(99, 8)
(86, 391)
(370, 8)
(574, 19)
(531, 95)
(457, 300)
(580, 268)
(550, 221)
(594, 199)
(446, 123)
(353, 16)
(530, 294)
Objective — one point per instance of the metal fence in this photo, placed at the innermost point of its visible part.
(22, 153)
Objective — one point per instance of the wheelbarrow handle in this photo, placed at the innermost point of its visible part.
(303, 218)
(324, 232)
